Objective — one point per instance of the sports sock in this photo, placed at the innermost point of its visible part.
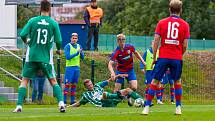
(161, 90)
(73, 91)
(151, 93)
(21, 95)
(158, 93)
(178, 94)
(65, 92)
(172, 94)
(135, 95)
(146, 92)
(58, 92)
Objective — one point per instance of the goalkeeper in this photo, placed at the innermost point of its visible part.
(96, 95)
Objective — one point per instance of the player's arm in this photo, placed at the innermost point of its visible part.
(81, 53)
(137, 54)
(25, 31)
(57, 37)
(155, 46)
(142, 67)
(185, 45)
(106, 82)
(67, 53)
(187, 36)
(77, 104)
(87, 17)
(82, 101)
(110, 67)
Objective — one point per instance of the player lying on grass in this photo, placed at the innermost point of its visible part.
(96, 95)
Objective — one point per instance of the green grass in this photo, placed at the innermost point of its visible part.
(121, 113)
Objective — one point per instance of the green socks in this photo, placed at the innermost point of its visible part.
(21, 95)
(135, 95)
(58, 92)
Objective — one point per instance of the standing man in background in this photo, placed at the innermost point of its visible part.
(173, 34)
(74, 54)
(43, 32)
(93, 18)
(38, 85)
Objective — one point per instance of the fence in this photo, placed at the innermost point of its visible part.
(108, 42)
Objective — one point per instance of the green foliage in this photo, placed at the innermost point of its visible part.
(196, 78)
(24, 14)
(139, 17)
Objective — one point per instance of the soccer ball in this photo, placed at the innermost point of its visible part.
(138, 102)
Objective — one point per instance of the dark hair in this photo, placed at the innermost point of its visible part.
(45, 6)
(175, 6)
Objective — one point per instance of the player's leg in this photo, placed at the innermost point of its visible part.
(118, 82)
(148, 80)
(35, 89)
(40, 88)
(67, 81)
(129, 92)
(48, 69)
(132, 79)
(158, 73)
(89, 37)
(159, 92)
(73, 86)
(28, 71)
(96, 38)
(176, 71)
(172, 91)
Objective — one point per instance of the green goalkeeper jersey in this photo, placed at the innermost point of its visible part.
(43, 32)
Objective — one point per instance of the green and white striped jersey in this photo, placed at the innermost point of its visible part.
(43, 32)
(94, 97)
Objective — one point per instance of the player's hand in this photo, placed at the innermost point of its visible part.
(80, 50)
(153, 63)
(59, 52)
(143, 71)
(121, 75)
(113, 75)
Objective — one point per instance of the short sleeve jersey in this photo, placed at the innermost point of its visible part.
(43, 31)
(172, 30)
(124, 58)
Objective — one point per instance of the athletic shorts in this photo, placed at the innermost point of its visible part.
(148, 77)
(111, 102)
(71, 75)
(162, 64)
(31, 68)
(131, 76)
(166, 79)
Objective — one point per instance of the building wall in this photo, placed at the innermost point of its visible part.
(8, 24)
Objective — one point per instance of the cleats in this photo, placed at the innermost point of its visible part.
(178, 110)
(18, 109)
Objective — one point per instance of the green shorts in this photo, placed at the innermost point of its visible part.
(110, 102)
(31, 68)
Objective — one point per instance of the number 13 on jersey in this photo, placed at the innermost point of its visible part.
(44, 33)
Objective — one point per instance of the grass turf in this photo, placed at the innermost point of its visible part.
(121, 113)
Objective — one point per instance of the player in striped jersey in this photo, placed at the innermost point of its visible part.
(96, 95)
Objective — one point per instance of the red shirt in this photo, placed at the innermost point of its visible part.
(124, 58)
(172, 30)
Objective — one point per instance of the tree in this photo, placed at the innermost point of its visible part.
(139, 17)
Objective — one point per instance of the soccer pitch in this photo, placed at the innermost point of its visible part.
(122, 113)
